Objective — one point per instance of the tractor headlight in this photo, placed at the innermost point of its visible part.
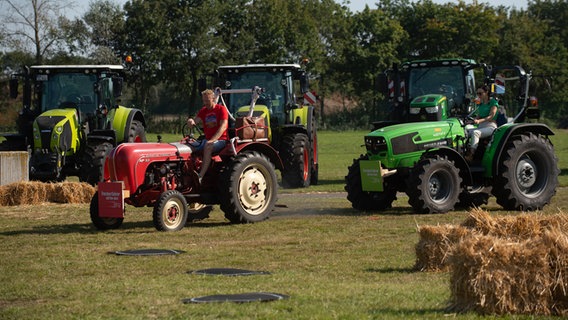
(59, 129)
(432, 109)
(414, 110)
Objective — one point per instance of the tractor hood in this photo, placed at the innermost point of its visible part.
(56, 130)
(395, 145)
(128, 161)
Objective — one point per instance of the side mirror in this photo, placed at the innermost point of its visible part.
(14, 88)
(117, 86)
(201, 84)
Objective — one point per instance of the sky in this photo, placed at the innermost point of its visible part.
(355, 5)
(358, 5)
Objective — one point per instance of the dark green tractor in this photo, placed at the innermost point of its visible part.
(424, 155)
(71, 119)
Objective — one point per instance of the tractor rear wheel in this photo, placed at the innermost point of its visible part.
(296, 156)
(249, 188)
(102, 223)
(314, 164)
(434, 185)
(137, 132)
(528, 174)
(365, 200)
(92, 170)
(170, 211)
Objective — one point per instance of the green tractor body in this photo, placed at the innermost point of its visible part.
(425, 157)
(290, 121)
(71, 120)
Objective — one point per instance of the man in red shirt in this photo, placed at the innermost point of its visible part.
(215, 120)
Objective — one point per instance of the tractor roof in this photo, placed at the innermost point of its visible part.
(263, 67)
(438, 62)
(79, 68)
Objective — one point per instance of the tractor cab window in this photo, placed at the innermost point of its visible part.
(61, 90)
(273, 96)
(447, 81)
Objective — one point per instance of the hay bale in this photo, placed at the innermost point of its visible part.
(71, 192)
(434, 244)
(35, 192)
(496, 276)
(556, 242)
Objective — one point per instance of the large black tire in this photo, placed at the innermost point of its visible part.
(528, 173)
(365, 200)
(102, 223)
(137, 133)
(249, 188)
(92, 169)
(434, 185)
(296, 157)
(170, 211)
(314, 164)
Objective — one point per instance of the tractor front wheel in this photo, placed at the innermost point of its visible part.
(102, 223)
(366, 200)
(249, 188)
(92, 170)
(528, 174)
(170, 211)
(434, 185)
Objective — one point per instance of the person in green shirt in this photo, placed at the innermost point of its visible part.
(485, 120)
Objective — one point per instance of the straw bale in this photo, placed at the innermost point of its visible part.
(434, 244)
(556, 243)
(35, 192)
(496, 276)
(480, 221)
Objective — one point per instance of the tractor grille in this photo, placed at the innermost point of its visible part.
(46, 125)
(375, 145)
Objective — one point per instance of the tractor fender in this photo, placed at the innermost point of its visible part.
(122, 121)
(458, 160)
(501, 136)
(263, 148)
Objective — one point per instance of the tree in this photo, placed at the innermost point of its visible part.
(32, 25)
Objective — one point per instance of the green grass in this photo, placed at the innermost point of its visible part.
(338, 149)
(334, 262)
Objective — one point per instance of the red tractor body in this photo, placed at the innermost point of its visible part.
(241, 179)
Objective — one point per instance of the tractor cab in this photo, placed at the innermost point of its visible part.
(449, 84)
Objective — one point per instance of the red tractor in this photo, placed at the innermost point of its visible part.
(241, 179)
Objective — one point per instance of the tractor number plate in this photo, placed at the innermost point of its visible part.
(111, 200)
(371, 178)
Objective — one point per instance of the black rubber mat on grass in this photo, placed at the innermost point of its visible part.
(147, 252)
(238, 298)
(227, 272)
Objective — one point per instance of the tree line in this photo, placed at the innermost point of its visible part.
(174, 42)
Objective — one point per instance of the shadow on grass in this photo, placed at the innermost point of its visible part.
(126, 227)
(409, 313)
(391, 270)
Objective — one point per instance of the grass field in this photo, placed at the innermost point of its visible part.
(333, 262)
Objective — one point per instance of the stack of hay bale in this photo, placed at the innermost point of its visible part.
(505, 265)
(34, 193)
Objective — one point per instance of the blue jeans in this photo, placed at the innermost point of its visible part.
(217, 145)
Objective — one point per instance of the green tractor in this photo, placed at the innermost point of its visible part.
(290, 121)
(71, 120)
(423, 155)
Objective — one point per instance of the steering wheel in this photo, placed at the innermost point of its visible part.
(189, 132)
